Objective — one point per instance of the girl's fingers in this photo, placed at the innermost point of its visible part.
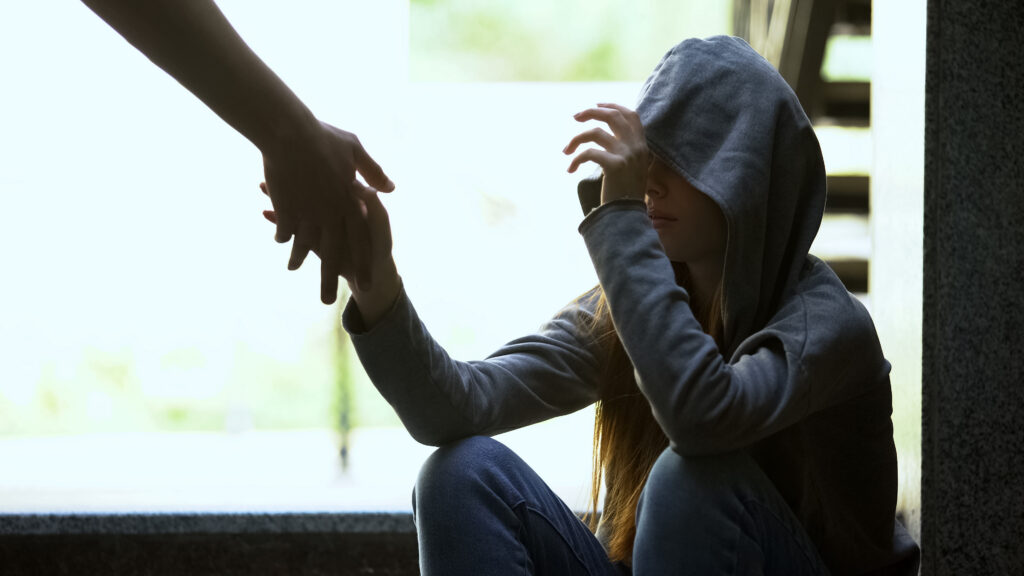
(305, 240)
(629, 115)
(362, 190)
(360, 247)
(375, 212)
(595, 135)
(615, 119)
(627, 112)
(605, 159)
(364, 194)
(329, 262)
(378, 219)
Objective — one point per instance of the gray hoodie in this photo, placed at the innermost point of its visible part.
(802, 385)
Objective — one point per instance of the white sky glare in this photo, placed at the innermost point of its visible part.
(133, 213)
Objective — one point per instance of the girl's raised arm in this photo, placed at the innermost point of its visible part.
(549, 373)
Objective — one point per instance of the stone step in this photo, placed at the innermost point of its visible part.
(206, 544)
(848, 194)
(845, 103)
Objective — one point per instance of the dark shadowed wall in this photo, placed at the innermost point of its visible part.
(973, 322)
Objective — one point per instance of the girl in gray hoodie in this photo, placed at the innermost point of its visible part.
(743, 401)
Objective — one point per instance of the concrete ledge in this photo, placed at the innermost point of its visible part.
(250, 544)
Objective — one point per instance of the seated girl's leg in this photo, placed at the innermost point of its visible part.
(479, 509)
(717, 515)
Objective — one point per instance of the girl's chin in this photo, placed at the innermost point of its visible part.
(666, 245)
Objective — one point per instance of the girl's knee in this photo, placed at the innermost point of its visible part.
(691, 483)
(455, 460)
(453, 470)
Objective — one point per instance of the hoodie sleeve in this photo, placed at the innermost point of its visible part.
(703, 403)
(439, 399)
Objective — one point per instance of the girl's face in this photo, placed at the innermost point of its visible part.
(690, 225)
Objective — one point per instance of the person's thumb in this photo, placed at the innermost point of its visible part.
(371, 171)
(377, 218)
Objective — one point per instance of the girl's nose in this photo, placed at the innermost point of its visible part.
(653, 190)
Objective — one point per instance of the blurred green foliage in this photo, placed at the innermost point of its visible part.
(536, 40)
(102, 391)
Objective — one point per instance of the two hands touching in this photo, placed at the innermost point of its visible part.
(317, 200)
(351, 231)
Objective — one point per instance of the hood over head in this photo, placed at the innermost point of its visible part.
(727, 122)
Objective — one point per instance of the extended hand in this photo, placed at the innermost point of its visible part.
(623, 155)
(377, 300)
(310, 182)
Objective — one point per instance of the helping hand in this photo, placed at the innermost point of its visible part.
(377, 300)
(623, 156)
(310, 182)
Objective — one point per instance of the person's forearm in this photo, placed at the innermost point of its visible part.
(193, 42)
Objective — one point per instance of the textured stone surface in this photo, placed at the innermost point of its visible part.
(973, 323)
(226, 544)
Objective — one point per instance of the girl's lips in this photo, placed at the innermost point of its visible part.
(659, 220)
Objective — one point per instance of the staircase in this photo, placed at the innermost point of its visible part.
(820, 47)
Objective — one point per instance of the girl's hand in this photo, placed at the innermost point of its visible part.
(376, 301)
(623, 155)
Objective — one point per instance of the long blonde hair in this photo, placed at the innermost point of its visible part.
(627, 439)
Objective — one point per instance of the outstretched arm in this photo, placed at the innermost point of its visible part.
(309, 166)
(193, 42)
(440, 399)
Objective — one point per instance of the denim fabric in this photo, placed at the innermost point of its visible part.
(479, 509)
(718, 515)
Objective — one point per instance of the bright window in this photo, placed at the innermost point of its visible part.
(158, 355)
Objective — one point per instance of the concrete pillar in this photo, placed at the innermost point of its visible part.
(973, 315)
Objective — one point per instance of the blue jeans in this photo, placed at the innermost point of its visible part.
(479, 509)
